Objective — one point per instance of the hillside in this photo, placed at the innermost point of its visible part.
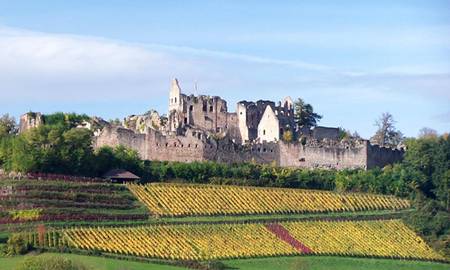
(321, 233)
(173, 223)
(66, 201)
(193, 200)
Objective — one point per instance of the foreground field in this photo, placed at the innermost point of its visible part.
(288, 263)
(94, 263)
(384, 238)
(188, 199)
(331, 263)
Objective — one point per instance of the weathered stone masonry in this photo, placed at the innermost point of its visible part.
(196, 146)
(200, 128)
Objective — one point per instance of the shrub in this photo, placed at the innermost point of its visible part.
(2, 250)
(24, 215)
(52, 262)
(17, 245)
(215, 265)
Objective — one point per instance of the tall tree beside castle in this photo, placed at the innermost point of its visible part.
(386, 134)
(7, 125)
(304, 114)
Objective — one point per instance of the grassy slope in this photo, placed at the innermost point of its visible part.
(94, 263)
(297, 263)
(335, 263)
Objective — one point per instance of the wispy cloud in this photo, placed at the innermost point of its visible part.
(355, 37)
(41, 67)
(244, 57)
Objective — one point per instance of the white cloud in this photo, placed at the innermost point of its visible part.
(354, 37)
(24, 52)
(57, 68)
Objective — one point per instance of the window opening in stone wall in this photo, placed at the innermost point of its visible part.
(185, 120)
(191, 108)
(210, 108)
(204, 106)
(264, 132)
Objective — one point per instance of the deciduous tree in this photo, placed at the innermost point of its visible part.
(386, 134)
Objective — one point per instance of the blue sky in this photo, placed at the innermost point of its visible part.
(352, 60)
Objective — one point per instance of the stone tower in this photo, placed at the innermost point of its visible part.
(175, 96)
(30, 120)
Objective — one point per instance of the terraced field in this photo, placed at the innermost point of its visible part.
(31, 200)
(208, 222)
(373, 238)
(190, 200)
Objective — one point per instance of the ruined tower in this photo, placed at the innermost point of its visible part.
(174, 96)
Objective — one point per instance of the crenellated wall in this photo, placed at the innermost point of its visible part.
(378, 156)
(197, 145)
(329, 156)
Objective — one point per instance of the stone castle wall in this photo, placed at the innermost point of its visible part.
(378, 156)
(195, 145)
(336, 156)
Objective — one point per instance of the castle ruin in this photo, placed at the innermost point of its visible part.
(200, 128)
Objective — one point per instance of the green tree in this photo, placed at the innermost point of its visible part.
(344, 134)
(7, 125)
(66, 120)
(386, 134)
(76, 151)
(16, 245)
(304, 114)
(427, 132)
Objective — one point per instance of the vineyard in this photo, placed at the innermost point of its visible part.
(50, 200)
(185, 200)
(296, 222)
(384, 238)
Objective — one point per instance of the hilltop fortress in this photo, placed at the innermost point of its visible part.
(200, 128)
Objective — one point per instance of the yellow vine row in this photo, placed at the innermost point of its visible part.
(184, 200)
(384, 238)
